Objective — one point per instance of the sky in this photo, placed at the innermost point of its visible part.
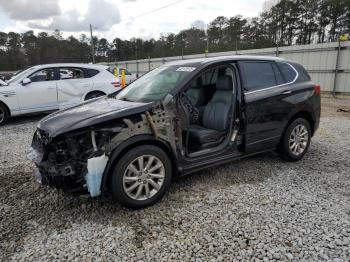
(118, 18)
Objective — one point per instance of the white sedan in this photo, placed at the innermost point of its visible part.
(54, 86)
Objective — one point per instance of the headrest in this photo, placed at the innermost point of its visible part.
(197, 83)
(224, 83)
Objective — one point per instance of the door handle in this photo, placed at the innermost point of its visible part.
(287, 92)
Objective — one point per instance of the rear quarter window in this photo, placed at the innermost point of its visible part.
(303, 74)
(91, 73)
(287, 71)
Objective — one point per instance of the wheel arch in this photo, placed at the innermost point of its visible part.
(94, 91)
(302, 114)
(131, 143)
(6, 107)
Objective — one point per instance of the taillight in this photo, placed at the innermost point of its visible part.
(317, 89)
(116, 84)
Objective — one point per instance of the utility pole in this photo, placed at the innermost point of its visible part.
(162, 38)
(92, 46)
(136, 57)
(207, 46)
(277, 49)
(236, 41)
(182, 47)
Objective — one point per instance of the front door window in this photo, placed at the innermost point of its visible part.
(43, 75)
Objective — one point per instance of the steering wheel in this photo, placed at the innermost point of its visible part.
(193, 111)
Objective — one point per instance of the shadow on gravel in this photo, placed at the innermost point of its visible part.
(250, 170)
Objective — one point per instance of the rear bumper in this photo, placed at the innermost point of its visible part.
(318, 114)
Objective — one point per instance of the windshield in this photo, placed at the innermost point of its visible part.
(155, 85)
(19, 76)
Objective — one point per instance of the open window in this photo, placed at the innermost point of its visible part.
(67, 73)
(208, 104)
(43, 75)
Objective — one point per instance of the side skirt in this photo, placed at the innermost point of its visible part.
(192, 168)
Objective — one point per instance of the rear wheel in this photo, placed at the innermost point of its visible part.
(94, 94)
(3, 114)
(141, 177)
(296, 140)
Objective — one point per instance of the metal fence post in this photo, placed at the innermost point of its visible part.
(336, 69)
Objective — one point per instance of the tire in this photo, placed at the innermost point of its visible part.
(94, 94)
(127, 178)
(3, 114)
(295, 141)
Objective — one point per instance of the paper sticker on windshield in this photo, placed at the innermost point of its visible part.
(186, 69)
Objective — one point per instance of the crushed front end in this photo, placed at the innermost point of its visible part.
(62, 161)
(75, 161)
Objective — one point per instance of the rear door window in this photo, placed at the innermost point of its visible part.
(258, 75)
(67, 73)
(279, 76)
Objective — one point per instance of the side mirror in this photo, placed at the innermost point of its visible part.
(26, 81)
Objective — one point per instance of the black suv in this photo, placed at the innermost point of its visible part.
(175, 120)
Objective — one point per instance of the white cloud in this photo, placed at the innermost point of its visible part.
(177, 17)
(114, 18)
(100, 13)
(30, 9)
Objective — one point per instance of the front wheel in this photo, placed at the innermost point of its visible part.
(141, 177)
(296, 140)
(3, 114)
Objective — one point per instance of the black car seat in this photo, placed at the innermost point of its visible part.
(195, 92)
(216, 117)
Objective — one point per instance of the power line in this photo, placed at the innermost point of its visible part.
(155, 10)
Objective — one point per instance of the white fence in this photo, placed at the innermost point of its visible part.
(328, 64)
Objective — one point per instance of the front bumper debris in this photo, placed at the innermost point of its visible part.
(61, 162)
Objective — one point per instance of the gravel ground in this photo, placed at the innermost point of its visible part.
(259, 208)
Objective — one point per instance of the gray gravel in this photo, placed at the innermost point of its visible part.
(259, 208)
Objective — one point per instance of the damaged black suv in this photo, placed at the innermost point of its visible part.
(177, 119)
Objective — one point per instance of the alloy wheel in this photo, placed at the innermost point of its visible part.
(143, 177)
(298, 140)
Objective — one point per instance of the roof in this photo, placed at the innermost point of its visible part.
(92, 66)
(225, 58)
